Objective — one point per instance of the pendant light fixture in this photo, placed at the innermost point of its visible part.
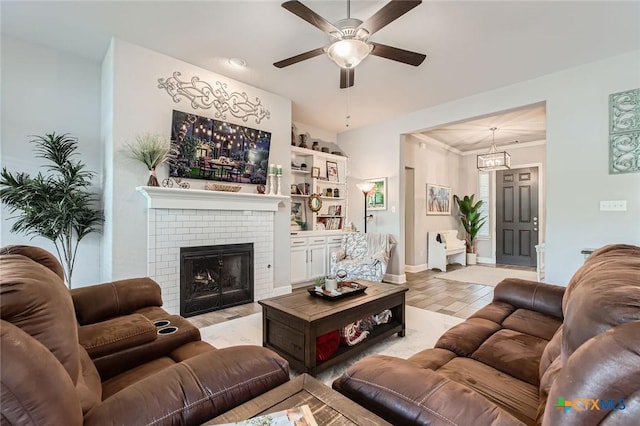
(494, 159)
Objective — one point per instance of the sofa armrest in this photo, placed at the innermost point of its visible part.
(195, 390)
(103, 301)
(116, 334)
(615, 355)
(403, 393)
(533, 295)
(36, 387)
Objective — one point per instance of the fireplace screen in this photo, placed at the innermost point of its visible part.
(215, 277)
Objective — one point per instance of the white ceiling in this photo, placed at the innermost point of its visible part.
(471, 46)
(521, 126)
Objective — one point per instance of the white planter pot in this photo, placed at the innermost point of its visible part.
(471, 258)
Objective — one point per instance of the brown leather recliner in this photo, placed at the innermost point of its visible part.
(48, 378)
(536, 354)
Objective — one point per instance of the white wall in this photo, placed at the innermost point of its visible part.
(131, 77)
(45, 91)
(433, 165)
(577, 156)
(316, 133)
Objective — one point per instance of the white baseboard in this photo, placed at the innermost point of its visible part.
(394, 279)
(416, 268)
(488, 260)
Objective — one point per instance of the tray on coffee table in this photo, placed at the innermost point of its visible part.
(346, 289)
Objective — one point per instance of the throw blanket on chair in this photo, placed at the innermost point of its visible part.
(379, 246)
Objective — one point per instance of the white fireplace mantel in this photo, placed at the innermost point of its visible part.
(200, 199)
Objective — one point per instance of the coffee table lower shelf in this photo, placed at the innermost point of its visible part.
(328, 406)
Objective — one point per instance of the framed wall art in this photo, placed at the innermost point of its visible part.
(332, 171)
(315, 172)
(438, 199)
(377, 197)
(624, 132)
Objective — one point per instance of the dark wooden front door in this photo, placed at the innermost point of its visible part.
(517, 220)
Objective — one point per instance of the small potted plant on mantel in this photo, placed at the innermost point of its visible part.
(472, 220)
(152, 151)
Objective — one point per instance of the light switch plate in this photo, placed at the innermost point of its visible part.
(613, 206)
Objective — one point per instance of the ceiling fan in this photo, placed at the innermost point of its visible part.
(349, 38)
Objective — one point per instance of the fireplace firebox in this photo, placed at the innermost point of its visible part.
(215, 277)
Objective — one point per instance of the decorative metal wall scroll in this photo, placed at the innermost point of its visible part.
(624, 132)
(202, 95)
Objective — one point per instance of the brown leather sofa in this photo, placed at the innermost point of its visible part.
(48, 377)
(536, 354)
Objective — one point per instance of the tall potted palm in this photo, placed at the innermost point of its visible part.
(58, 206)
(472, 220)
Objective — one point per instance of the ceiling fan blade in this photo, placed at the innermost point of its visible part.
(389, 13)
(346, 77)
(310, 16)
(298, 58)
(395, 54)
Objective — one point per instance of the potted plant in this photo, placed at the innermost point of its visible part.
(472, 220)
(58, 207)
(152, 151)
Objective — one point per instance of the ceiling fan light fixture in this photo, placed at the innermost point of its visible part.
(348, 53)
(494, 159)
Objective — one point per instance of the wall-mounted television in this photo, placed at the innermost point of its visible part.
(216, 150)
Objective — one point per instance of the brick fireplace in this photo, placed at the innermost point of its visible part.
(179, 218)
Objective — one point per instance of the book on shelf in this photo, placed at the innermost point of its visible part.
(298, 416)
(330, 223)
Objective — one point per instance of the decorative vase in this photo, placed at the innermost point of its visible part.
(153, 180)
(303, 141)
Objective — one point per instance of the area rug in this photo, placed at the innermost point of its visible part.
(486, 275)
(422, 331)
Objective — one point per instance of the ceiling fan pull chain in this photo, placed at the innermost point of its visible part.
(348, 9)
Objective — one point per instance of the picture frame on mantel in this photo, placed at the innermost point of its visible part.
(377, 197)
(438, 200)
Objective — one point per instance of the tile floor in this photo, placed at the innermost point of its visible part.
(426, 291)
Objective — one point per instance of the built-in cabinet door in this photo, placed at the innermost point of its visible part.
(317, 261)
(298, 259)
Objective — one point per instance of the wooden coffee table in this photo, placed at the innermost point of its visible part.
(292, 322)
(328, 406)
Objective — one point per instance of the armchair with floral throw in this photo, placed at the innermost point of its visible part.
(363, 256)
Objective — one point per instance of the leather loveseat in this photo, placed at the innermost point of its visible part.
(536, 355)
(48, 377)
